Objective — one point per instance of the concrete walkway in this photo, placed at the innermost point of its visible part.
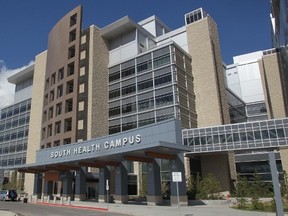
(144, 210)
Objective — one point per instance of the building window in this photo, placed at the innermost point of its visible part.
(43, 133)
(146, 104)
(47, 83)
(114, 73)
(129, 125)
(49, 130)
(48, 145)
(130, 89)
(128, 71)
(83, 39)
(50, 112)
(147, 84)
(59, 91)
(60, 74)
(68, 124)
(161, 60)
(53, 79)
(81, 106)
(72, 35)
(70, 69)
(114, 111)
(56, 143)
(83, 55)
(160, 80)
(71, 52)
(58, 109)
(69, 87)
(144, 66)
(164, 100)
(51, 95)
(67, 141)
(82, 71)
(44, 116)
(114, 93)
(58, 127)
(80, 125)
(73, 20)
(129, 108)
(81, 88)
(69, 105)
(46, 100)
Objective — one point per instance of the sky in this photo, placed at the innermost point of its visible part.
(243, 25)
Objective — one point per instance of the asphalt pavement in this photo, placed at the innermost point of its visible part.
(144, 210)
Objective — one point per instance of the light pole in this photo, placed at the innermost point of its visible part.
(276, 184)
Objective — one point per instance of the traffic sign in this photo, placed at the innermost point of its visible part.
(176, 176)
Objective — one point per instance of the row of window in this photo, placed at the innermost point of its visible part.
(59, 127)
(13, 148)
(59, 92)
(56, 143)
(145, 104)
(50, 81)
(249, 126)
(141, 86)
(14, 122)
(236, 137)
(134, 124)
(16, 109)
(58, 109)
(15, 134)
(115, 73)
(71, 53)
(13, 161)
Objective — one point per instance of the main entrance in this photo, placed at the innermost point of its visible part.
(64, 169)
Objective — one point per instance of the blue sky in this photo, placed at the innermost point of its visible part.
(243, 25)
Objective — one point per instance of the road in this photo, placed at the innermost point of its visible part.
(29, 209)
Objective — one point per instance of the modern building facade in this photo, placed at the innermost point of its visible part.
(279, 42)
(122, 104)
(14, 124)
(104, 81)
(244, 79)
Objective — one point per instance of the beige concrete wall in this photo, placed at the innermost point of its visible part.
(97, 85)
(218, 165)
(207, 69)
(284, 158)
(34, 137)
(272, 85)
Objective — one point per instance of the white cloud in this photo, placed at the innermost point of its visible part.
(7, 89)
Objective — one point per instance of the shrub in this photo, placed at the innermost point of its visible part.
(242, 203)
(256, 204)
(208, 187)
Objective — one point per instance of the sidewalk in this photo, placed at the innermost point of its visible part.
(144, 210)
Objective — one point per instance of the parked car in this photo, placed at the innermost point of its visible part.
(6, 195)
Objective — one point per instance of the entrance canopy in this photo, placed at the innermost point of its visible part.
(160, 140)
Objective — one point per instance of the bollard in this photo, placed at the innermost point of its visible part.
(61, 200)
(54, 200)
(69, 200)
(48, 198)
(42, 197)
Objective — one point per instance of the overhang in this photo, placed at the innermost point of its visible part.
(146, 154)
(161, 140)
(22, 75)
(118, 28)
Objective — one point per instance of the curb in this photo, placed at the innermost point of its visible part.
(72, 206)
